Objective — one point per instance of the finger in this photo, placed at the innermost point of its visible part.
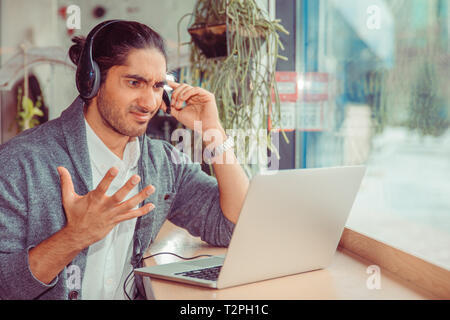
(173, 84)
(135, 200)
(104, 184)
(188, 93)
(67, 189)
(176, 93)
(175, 113)
(135, 213)
(184, 95)
(126, 188)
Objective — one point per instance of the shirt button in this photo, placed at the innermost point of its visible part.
(73, 295)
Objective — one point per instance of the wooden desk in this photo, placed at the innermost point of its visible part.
(345, 279)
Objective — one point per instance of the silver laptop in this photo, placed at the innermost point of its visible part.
(291, 222)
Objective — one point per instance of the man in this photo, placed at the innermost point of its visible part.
(82, 196)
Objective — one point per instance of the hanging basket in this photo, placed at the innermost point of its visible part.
(213, 39)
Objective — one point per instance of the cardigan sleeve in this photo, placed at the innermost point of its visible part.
(16, 279)
(196, 205)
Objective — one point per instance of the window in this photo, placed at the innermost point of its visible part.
(373, 78)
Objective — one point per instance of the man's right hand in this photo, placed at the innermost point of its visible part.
(92, 216)
(89, 219)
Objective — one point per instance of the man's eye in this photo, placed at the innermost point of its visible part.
(133, 83)
(159, 85)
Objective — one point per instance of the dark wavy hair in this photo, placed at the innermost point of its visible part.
(113, 43)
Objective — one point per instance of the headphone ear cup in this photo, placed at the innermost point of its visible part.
(88, 78)
(97, 78)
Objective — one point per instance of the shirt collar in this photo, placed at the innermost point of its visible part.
(103, 157)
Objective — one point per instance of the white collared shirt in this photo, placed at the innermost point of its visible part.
(108, 260)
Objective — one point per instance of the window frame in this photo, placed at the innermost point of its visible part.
(406, 266)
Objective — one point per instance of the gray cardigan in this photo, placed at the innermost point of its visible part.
(31, 209)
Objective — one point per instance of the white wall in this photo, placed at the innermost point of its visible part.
(38, 22)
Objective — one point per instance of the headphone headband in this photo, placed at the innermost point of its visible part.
(88, 72)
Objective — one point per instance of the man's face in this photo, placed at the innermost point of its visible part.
(132, 93)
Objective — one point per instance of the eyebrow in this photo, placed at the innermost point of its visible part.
(142, 79)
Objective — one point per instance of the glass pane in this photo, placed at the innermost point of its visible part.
(386, 65)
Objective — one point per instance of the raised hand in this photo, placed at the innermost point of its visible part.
(200, 106)
(92, 216)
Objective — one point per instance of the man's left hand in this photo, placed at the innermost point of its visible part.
(200, 106)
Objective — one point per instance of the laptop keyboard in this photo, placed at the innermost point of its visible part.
(211, 273)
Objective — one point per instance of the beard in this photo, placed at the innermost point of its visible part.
(115, 117)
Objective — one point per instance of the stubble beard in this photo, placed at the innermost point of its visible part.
(112, 118)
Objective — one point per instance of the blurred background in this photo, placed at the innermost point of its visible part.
(365, 82)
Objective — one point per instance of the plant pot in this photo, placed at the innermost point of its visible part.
(212, 40)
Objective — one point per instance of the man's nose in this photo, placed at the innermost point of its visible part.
(148, 100)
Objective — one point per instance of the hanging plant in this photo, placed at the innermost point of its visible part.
(234, 51)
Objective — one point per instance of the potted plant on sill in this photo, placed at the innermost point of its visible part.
(234, 51)
(27, 110)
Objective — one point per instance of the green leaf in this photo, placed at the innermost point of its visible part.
(27, 103)
(38, 112)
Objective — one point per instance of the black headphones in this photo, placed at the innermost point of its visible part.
(88, 73)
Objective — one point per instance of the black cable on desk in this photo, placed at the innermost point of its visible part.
(153, 255)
